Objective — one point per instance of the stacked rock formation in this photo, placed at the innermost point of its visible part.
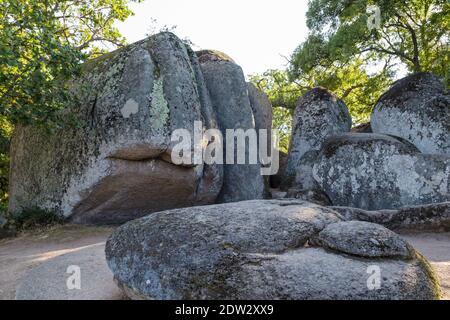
(398, 160)
(115, 165)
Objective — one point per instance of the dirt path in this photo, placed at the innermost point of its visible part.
(28, 262)
(20, 255)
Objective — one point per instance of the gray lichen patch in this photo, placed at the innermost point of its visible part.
(130, 107)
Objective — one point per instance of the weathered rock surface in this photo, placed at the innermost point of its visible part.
(230, 99)
(362, 128)
(116, 165)
(431, 217)
(262, 114)
(416, 108)
(373, 171)
(318, 115)
(259, 250)
(314, 196)
(261, 108)
(363, 239)
(304, 179)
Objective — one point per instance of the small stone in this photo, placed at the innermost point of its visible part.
(364, 239)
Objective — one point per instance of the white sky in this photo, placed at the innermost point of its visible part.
(255, 33)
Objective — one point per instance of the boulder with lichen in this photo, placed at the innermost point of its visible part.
(264, 249)
(319, 114)
(417, 109)
(115, 164)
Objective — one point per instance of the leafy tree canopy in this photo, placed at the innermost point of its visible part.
(413, 32)
(42, 44)
(357, 48)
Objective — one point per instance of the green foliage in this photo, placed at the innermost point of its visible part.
(32, 218)
(351, 83)
(281, 90)
(283, 95)
(412, 32)
(42, 44)
(5, 133)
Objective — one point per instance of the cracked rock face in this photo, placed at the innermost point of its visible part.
(116, 165)
(263, 249)
(318, 115)
(373, 171)
(230, 100)
(416, 108)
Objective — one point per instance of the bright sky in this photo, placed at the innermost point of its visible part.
(255, 33)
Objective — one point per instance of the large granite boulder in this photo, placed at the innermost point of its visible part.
(362, 128)
(264, 249)
(363, 239)
(373, 171)
(318, 115)
(304, 179)
(416, 108)
(230, 99)
(115, 165)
